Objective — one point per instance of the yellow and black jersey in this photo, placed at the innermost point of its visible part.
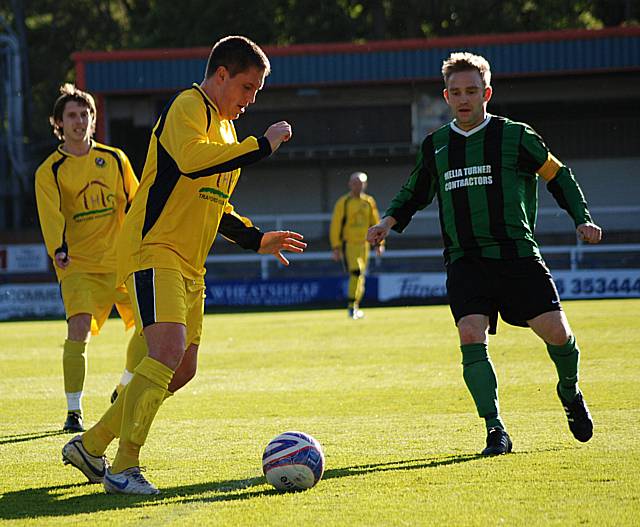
(81, 205)
(191, 170)
(351, 219)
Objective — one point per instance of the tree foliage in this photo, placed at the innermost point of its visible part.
(54, 29)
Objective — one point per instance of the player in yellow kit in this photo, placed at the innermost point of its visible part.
(353, 214)
(82, 192)
(192, 167)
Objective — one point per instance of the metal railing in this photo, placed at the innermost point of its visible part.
(575, 252)
(550, 219)
(285, 220)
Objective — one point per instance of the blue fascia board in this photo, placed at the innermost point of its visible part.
(528, 58)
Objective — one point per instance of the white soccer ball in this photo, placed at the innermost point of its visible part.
(293, 461)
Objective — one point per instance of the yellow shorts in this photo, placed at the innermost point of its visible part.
(95, 293)
(165, 295)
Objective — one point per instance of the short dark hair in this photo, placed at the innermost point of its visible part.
(68, 92)
(237, 54)
(465, 61)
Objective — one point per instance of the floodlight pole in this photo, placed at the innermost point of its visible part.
(12, 92)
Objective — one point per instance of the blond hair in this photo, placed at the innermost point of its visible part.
(465, 61)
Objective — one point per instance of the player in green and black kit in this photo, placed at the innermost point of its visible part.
(484, 171)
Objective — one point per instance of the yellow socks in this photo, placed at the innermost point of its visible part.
(356, 288)
(99, 437)
(74, 367)
(141, 401)
(353, 288)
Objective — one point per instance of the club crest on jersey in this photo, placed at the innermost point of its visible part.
(100, 162)
(95, 201)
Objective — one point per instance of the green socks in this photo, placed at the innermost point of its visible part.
(481, 381)
(566, 358)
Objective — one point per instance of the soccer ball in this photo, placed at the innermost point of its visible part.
(293, 461)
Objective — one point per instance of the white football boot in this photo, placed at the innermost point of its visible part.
(93, 467)
(129, 481)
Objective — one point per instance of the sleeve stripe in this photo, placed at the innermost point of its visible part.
(239, 229)
(264, 150)
(54, 168)
(550, 168)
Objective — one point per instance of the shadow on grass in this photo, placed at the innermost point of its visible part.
(412, 464)
(52, 501)
(21, 438)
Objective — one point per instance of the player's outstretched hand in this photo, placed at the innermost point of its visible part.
(589, 232)
(278, 133)
(274, 242)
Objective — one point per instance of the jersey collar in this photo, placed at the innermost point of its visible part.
(208, 101)
(484, 123)
(69, 154)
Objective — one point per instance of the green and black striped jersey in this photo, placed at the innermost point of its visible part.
(486, 184)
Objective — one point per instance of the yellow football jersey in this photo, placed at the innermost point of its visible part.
(351, 219)
(81, 205)
(192, 167)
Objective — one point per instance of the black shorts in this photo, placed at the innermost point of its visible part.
(519, 289)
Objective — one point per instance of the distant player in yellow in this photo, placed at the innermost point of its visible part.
(82, 192)
(192, 167)
(353, 214)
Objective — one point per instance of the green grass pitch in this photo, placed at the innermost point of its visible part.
(383, 395)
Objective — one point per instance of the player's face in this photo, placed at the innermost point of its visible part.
(238, 92)
(357, 186)
(77, 122)
(467, 98)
